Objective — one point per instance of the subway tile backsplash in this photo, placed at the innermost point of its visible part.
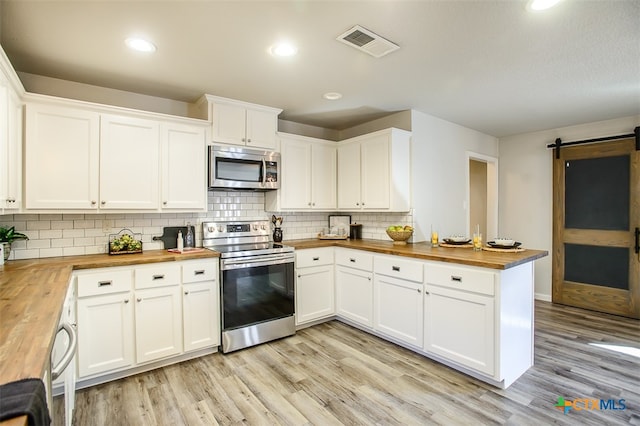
(52, 235)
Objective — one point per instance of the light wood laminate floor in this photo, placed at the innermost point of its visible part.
(333, 374)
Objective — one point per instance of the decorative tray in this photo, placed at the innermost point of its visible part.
(124, 242)
(332, 237)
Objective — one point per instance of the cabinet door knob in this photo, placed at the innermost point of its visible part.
(139, 299)
(126, 300)
(369, 278)
(93, 202)
(299, 276)
(363, 203)
(164, 203)
(103, 202)
(309, 203)
(244, 139)
(357, 204)
(419, 291)
(249, 140)
(313, 204)
(186, 292)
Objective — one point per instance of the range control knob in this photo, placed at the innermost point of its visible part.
(211, 229)
(220, 228)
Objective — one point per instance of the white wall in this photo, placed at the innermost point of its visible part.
(526, 187)
(439, 164)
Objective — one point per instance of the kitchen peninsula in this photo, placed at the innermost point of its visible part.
(497, 286)
(470, 310)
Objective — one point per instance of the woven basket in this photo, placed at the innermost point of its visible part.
(399, 237)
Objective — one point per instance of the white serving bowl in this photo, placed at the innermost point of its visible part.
(504, 241)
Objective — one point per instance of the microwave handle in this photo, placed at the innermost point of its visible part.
(264, 172)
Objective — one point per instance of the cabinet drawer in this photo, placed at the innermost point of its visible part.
(355, 259)
(199, 271)
(314, 257)
(104, 282)
(395, 266)
(157, 275)
(460, 278)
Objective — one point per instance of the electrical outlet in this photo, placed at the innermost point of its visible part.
(106, 225)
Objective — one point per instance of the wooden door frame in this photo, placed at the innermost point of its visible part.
(616, 301)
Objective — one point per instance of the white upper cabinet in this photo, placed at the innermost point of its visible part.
(241, 123)
(184, 185)
(308, 175)
(61, 157)
(10, 146)
(80, 157)
(374, 172)
(129, 157)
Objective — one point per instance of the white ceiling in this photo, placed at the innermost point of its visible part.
(487, 65)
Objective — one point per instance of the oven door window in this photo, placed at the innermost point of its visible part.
(237, 170)
(257, 294)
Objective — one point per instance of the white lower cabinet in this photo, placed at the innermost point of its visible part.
(354, 286)
(398, 301)
(132, 316)
(460, 316)
(315, 295)
(158, 323)
(354, 295)
(105, 333)
(200, 304)
(460, 327)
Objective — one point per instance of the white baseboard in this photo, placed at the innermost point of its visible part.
(542, 296)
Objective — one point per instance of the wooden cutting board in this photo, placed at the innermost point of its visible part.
(170, 235)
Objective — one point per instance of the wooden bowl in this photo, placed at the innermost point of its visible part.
(399, 237)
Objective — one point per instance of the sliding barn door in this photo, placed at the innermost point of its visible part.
(596, 214)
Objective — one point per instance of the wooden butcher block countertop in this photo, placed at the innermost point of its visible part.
(32, 293)
(424, 251)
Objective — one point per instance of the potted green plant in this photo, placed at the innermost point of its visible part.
(7, 236)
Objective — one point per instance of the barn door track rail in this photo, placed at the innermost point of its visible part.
(558, 143)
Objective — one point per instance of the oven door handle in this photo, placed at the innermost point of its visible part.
(276, 259)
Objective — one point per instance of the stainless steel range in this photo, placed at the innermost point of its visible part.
(257, 283)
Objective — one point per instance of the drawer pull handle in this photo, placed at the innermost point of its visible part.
(456, 278)
(104, 283)
(396, 268)
(351, 259)
(158, 277)
(316, 258)
(199, 272)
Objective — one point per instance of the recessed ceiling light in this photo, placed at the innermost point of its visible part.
(140, 44)
(538, 5)
(283, 49)
(332, 96)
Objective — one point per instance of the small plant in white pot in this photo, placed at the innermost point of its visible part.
(8, 236)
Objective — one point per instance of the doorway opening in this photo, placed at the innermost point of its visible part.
(482, 195)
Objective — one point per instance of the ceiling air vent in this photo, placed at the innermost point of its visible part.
(367, 41)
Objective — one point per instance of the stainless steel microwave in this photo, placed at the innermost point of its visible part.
(241, 168)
